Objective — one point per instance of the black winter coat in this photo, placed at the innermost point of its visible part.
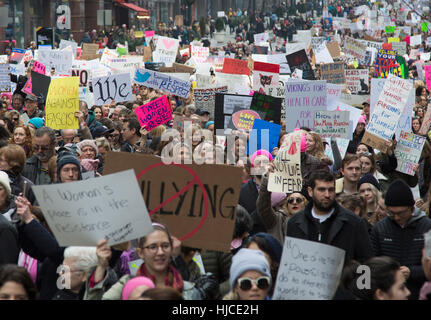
(9, 248)
(247, 199)
(404, 245)
(343, 230)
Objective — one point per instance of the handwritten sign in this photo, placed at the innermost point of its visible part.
(205, 204)
(355, 49)
(154, 113)
(39, 68)
(4, 78)
(164, 82)
(112, 88)
(200, 53)
(243, 119)
(166, 50)
(235, 66)
(62, 103)
(427, 69)
(287, 177)
(261, 37)
(205, 98)
(61, 61)
(84, 212)
(408, 151)
(357, 81)
(387, 112)
(332, 72)
(323, 265)
(332, 124)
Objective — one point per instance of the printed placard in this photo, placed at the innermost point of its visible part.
(243, 119)
(82, 213)
(265, 75)
(112, 88)
(408, 151)
(154, 113)
(164, 82)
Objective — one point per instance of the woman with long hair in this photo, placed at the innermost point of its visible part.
(416, 125)
(316, 148)
(22, 137)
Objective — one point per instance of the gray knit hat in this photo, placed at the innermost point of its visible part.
(246, 260)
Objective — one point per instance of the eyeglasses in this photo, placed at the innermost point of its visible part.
(15, 119)
(401, 213)
(43, 148)
(246, 284)
(297, 200)
(153, 248)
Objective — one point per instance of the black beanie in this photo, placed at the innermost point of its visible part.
(399, 194)
(66, 158)
(369, 178)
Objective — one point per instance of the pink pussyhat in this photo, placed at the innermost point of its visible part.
(133, 283)
(362, 119)
(303, 141)
(258, 153)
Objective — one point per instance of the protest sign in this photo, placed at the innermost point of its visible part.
(400, 47)
(264, 135)
(355, 49)
(323, 262)
(265, 74)
(62, 103)
(321, 54)
(259, 50)
(357, 81)
(83, 75)
(304, 36)
(260, 37)
(205, 98)
(333, 91)
(225, 104)
(64, 44)
(278, 92)
(164, 82)
(271, 106)
(354, 113)
(332, 72)
(154, 113)
(16, 55)
(415, 40)
(200, 53)
(294, 47)
(27, 87)
(334, 49)
(243, 119)
(427, 69)
(385, 63)
(166, 50)
(235, 66)
(28, 55)
(387, 112)
(330, 124)
(40, 84)
(287, 177)
(299, 60)
(342, 145)
(84, 212)
(112, 88)
(39, 68)
(89, 51)
(195, 202)
(408, 151)
(61, 61)
(4, 78)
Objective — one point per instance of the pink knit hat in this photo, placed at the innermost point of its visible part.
(258, 153)
(133, 283)
(362, 119)
(303, 141)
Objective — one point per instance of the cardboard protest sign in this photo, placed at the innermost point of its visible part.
(205, 98)
(324, 262)
(302, 99)
(62, 103)
(408, 151)
(299, 60)
(269, 105)
(195, 202)
(178, 68)
(355, 49)
(166, 50)
(40, 84)
(287, 177)
(330, 124)
(164, 82)
(334, 49)
(154, 113)
(265, 74)
(332, 72)
(84, 212)
(61, 61)
(200, 53)
(89, 51)
(235, 66)
(264, 135)
(112, 88)
(387, 112)
(225, 106)
(39, 68)
(4, 78)
(243, 119)
(357, 81)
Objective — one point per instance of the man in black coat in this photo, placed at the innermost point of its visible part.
(9, 248)
(401, 235)
(325, 221)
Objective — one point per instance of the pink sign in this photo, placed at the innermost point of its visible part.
(39, 67)
(149, 34)
(28, 87)
(428, 76)
(154, 113)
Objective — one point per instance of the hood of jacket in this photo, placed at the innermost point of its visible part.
(417, 215)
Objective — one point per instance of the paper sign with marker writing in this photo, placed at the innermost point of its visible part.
(39, 68)
(154, 113)
(299, 60)
(64, 44)
(408, 151)
(235, 66)
(200, 53)
(330, 124)
(323, 265)
(244, 119)
(261, 37)
(4, 78)
(332, 72)
(427, 69)
(166, 50)
(164, 82)
(354, 49)
(113, 88)
(60, 60)
(287, 177)
(357, 81)
(62, 103)
(387, 112)
(84, 212)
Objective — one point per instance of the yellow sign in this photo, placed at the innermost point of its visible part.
(139, 34)
(62, 102)
(390, 40)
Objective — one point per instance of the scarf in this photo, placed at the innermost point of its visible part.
(173, 279)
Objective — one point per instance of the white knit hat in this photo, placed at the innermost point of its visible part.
(4, 181)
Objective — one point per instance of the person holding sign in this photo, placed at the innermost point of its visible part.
(324, 220)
